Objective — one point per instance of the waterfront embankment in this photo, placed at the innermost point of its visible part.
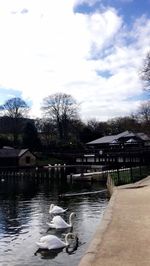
(123, 236)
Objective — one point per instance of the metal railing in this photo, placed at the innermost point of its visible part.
(129, 175)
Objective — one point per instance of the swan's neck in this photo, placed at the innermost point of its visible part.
(51, 207)
(70, 219)
(67, 238)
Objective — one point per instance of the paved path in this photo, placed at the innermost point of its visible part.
(123, 236)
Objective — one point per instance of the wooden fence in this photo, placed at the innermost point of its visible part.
(120, 176)
(25, 172)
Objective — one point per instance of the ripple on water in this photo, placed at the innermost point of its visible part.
(23, 222)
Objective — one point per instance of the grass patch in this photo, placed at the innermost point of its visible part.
(126, 176)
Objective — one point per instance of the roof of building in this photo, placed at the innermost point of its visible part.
(115, 138)
(8, 152)
(143, 136)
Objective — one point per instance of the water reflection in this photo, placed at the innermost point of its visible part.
(51, 254)
(48, 254)
(24, 213)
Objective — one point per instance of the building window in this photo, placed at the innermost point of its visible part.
(27, 159)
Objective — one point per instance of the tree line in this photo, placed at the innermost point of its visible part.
(60, 127)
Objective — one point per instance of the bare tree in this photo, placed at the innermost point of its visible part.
(46, 129)
(15, 109)
(144, 111)
(119, 124)
(62, 108)
(145, 72)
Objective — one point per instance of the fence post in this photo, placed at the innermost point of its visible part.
(131, 174)
(140, 171)
(118, 175)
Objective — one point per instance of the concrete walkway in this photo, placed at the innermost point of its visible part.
(123, 236)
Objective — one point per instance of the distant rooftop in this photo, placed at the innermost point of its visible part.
(8, 152)
(115, 138)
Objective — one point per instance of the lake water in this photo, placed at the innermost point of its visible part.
(24, 206)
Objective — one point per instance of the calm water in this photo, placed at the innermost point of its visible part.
(24, 205)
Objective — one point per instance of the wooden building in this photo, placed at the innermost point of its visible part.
(124, 149)
(10, 157)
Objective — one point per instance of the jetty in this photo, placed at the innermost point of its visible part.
(91, 176)
(123, 235)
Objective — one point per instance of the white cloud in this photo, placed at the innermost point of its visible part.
(49, 49)
(103, 27)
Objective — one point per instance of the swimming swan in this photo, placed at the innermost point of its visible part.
(58, 222)
(53, 242)
(54, 209)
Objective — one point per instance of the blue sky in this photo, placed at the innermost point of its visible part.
(91, 49)
(129, 9)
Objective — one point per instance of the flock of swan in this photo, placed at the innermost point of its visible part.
(52, 242)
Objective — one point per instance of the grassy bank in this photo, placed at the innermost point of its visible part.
(129, 175)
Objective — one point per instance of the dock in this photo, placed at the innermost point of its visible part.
(91, 176)
(90, 166)
(123, 236)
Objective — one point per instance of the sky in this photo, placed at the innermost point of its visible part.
(90, 49)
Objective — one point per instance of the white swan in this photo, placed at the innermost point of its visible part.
(53, 242)
(54, 209)
(59, 223)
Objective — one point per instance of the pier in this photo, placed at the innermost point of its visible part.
(93, 176)
(123, 236)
